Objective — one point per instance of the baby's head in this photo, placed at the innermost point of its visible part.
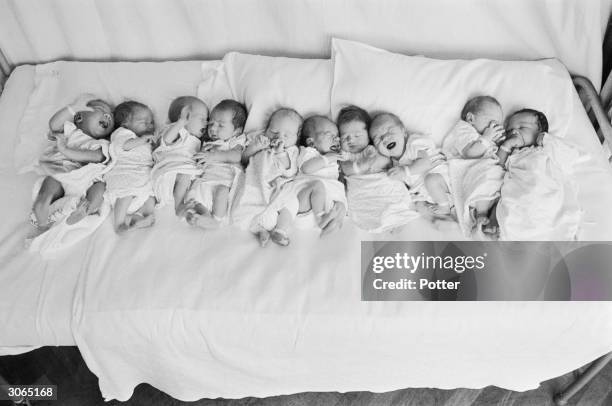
(353, 126)
(197, 114)
(321, 133)
(227, 120)
(99, 122)
(481, 112)
(135, 116)
(528, 125)
(284, 126)
(388, 135)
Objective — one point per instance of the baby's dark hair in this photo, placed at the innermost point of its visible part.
(540, 118)
(474, 105)
(177, 105)
(289, 112)
(124, 111)
(354, 113)
(308, 128)
(240, 112)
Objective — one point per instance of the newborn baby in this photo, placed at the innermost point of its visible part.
(129, 180)
(538, 197)
(416, 161)
(175, 166)
(316, 187)
(74, 164)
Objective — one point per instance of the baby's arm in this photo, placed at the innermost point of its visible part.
(138, 141)
(232, 156)
(56, 123)
(171, 133)
(505, 149)
(80, 155)
(493, 134)
(314, 164)
(259, 143)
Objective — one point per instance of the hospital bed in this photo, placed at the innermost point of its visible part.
(211, 315)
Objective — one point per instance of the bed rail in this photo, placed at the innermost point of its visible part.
(594, 107)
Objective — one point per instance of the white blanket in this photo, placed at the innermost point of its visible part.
(538, 197)
(473, 180)
(377, 203)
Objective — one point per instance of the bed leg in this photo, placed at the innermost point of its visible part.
(592, 104)
(597, 365)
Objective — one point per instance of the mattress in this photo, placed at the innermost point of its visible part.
(214, 315)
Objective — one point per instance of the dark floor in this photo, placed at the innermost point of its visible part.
(77, 386)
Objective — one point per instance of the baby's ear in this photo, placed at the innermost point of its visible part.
(238, 130)
(469, 117)
(309, 142)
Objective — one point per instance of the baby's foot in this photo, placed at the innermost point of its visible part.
(122, 228)
(280, 237)
(140, 221)
(36, 231)
(263, 236)
(181, 208)
(205, 221)
(79, 213)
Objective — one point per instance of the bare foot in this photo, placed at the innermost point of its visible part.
(140, 221)
(205, 221)
(79, 213)
(181, 209)
(263, 236)
(280, 237)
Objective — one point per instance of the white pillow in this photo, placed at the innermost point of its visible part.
(265, 84)
(428, 94)
(56, 84)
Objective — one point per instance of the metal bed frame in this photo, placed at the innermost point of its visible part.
(598, 106)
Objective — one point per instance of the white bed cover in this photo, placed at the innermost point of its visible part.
(211, 314)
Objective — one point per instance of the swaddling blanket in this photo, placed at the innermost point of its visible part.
(471, 180)
(538, 197)
(75, 177)
(214, 174)
(130, 170)
(171, 160)
(264, 177)
(377, 203)
(287, 196)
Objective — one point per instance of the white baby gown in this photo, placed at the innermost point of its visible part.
(214, 174)
(287, 196)
(471, 180)
(538, 197)
(172, 160)
(130, 171)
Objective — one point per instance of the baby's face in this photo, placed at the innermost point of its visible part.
(141, 121)
(325, 136)
(283, 128)
(388, 137)
(354, 136)
(198, 119)
(98, 123)
(524, 126)
(221, 126)
(488, 114)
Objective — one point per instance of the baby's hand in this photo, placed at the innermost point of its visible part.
(378, 163)
(81, 103)
(149, 138)
(493, 133)
(261, 141)
(62, 143)
(397, 173)
(203, 157)
(277, 144)
(514, 141)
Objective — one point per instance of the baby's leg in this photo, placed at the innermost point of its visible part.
(220, 201)
(280, 233)
(50, 191)
(90, 204)
(480, 214)
(198, 215)
(121, 219)
(181, 185)
(318, 198)
(145, 215)
(438, 190)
